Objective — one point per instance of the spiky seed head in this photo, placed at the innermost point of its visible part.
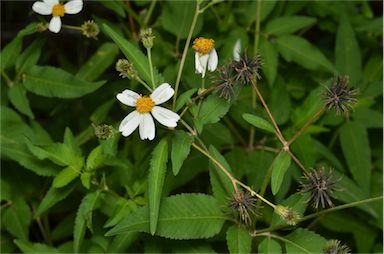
(321, 185)
(104, 131)
(340, 96)
(290, 216)
(336, 247)
(247, 68)
(126, 69)
(90, 29)
(243, 205)
(225, 83)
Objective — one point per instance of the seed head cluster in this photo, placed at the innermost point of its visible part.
(247, 68)
(290, 216)
(90, 29)
(336, 247)
(225, 83)
(243, 205)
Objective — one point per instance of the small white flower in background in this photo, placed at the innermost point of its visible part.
(146, 107)
(205, 55)
(237, 50)
(57, 10)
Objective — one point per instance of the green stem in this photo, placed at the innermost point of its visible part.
(209, 5)
(150, 11)
(151, 67)
(77, 28)
(7, 79)
(184, 56)
(144, 84)
(283, 240)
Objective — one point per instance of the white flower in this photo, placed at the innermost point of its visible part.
(57, 10)
(205, 55)
(146, 107)
(237, 50)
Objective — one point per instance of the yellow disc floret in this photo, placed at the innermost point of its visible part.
(203, 46)
(144, 104)
(58, 10)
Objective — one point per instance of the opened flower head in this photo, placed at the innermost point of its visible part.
(146, 107)
(57, 10)
(205, 55)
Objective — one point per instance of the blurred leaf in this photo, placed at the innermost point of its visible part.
(10, 52)
(288, 24)
(304, 149)
(120, 243)
(355, 144)
(373, 26)
(157, 170)
(347, 52)
(184, 98)
(16, 218)
(183, 216)
(259, 122)
(29, 247)
(304, 241)
(280, 102)
(116, 6)
(299, 50)
(181, 146)
(98, 62)
(279, 167)
(270, 58)
(30, 56)
(101, 112)
(53, 82)
(238, 239)
(18, 97)
(269, 245)
(311, 105)
(368, 117)
(191, 247)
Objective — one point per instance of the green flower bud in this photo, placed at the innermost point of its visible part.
(147, 37)
(90, 29)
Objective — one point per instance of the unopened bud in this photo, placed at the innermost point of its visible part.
(126, 69)
(288, 215)
(104, 131)
(90, 29)
(41, 27)
(146, 37)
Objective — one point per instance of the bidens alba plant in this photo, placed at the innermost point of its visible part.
(205, 55)
(57, 10)
(146, 107)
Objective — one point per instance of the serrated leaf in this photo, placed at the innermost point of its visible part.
(10, 52)
(347, 52)
(29, 247)
(53, 196)
(70, 141)
(65, 176)
(304, 241)
(238, 239)
(98, 62)
(288, 24)
(268, 246)
(95, 158)
(16, 218)
(279, 167)
(120, 243)
(18, 97)
(258, 122)
(184, 216)
(30, 56)
(270, 59)
(134, 55)
(54, 82)
(157, 170)
(356, 149)
(181, 146)
(184, 97)
(84, 218)
(299, 50)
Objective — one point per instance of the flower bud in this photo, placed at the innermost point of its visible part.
(90, 29)
(288, 215)
(104, 131)
(126, 69)
(146, 37)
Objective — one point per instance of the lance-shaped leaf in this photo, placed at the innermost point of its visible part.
(181, 146)
(288, 24)
(279, 167)
(259, 122)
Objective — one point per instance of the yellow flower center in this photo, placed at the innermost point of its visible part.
(203, 46)
(58, 10)
(144, 104)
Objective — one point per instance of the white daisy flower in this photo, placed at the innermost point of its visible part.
(146, 107)
(205, 55)
(57, 10)
(237, 50)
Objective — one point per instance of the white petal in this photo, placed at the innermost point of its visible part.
(128, 97)
(203, 60)
(55, 24)
(165, 116)
(42, 8)
(130, 123)
(237, 50)
(163, 93)
(213, 60)
(147, 127)
(51, 3)
(73, 7)
(198, 67)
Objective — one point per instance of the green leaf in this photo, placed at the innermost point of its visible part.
(52, 197)
(238, 240)
(311, 105)
(98, 62)
(30, 56)
(299, 50)
(95, 158)
(368, 117)
(157, 170)
(259, 122)
(18, 97)
(84, 218)
(29, 247)
(355, 145)
(212, 109)
(269, 245)
(184, 98)
(116, 6)
(53, 82)
(297, 202)
(70, 141)
(10, 52)
(347, 52)
(280, 102)
(101, 113)
(279, 167)
(16, 218)
(304, 241)
(134, 55)
(271, 60)
(120, 243)
(65, 176)
(288, 24)
(181, 146)
(184, 216)
(183, 12)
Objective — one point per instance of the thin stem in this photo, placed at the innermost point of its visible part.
(209, 5)
(296, 160)
(306, 125)
(253, 193)
(151, 67)
(202, 94)
(77, 28)
(7, 79)
(189, 128)
(235, 131)
(144, 84)
(185, 51)
(150, 11)
(42, 230)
